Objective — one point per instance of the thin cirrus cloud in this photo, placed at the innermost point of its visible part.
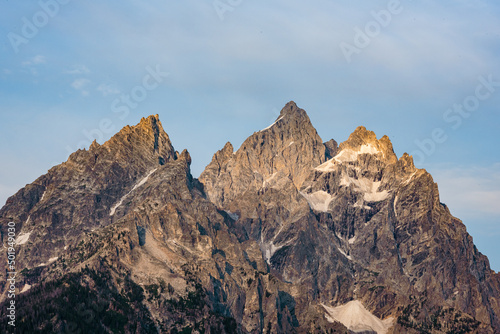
(78, 70)
(471, 190)
(81, 85)
(472, 194)
(107, 89)
(36, 60)
(204, 47)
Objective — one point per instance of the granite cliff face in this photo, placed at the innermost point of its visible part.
(286, 235)
(288, 148)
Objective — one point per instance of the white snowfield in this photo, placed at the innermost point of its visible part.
(361, 205)
(137, 185)
(319, 200)
(52, 259)
(269, 248)
(23, 238)
(366, 186)
(25, 288)
(346, 155)
(344, 253)
(270, 126)
(357, 318)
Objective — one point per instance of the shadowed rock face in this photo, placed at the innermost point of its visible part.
(269, 239)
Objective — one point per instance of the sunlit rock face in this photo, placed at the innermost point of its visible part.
(287, 234)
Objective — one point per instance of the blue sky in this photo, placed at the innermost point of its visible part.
(407, 69)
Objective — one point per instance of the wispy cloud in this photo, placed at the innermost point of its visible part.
(80, 85)
(107, 89)
(470, 192)
(36, 60)
(78, 70)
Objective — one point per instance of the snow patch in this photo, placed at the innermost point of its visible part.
(357, 318)
(269, 179)
(177, 244)
(43, 195)
(346, 155)
(394, 206)
(319, 200)
(23, 238)
(234, 216)
(290, 143)
(137, 185)
(144, 179)
(368, 149)
(25, 288)
(270, 126)
(363, 185)
(326, 167)
(376, 196)
(358, 205)
(366, 186)
(409, 178)
(52, 259)
(343, 253)
(351, 240)
(270, 249)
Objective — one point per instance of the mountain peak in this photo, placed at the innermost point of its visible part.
(290, 108)
(288, 148)
(145, 144)
(356, 244)
(150, 120)
(94, 146)
(151, 124)
(359, 137)
(365, 141)
(290, 114)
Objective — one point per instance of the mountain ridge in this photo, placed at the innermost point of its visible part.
(269, 239)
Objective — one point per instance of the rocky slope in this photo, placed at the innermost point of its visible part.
(288, 148)
(287, 234)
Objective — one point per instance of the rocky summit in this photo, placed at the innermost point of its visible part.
(287, 234)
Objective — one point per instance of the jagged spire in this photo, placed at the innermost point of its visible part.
(363, 140)
(148, 138)
(289, 147)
